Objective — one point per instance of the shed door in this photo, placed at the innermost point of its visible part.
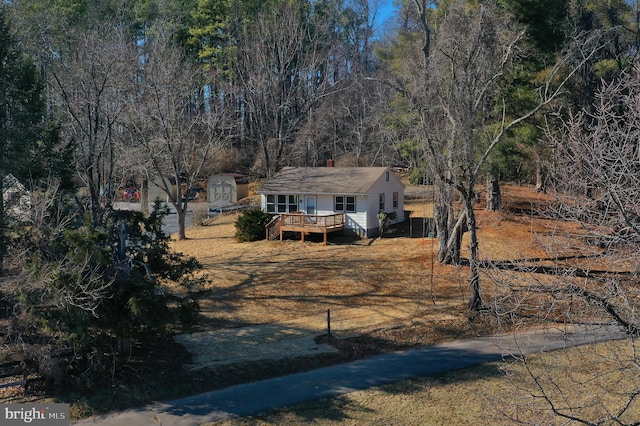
(222, 193)
(310, 203)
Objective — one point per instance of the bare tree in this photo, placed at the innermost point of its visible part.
(457, 98)
(89, 73)
(347, 126)
(591, 277)
(284, 69)
(175, 129)
(474, 49)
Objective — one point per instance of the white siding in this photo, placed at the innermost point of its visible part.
(356, 221)
(381, 186)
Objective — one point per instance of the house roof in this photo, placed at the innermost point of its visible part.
(323, 180)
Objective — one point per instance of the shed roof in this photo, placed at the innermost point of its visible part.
(239, 178)
(323, 180)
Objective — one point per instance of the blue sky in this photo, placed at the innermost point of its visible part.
(386, 11)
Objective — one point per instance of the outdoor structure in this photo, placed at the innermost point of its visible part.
(227, 188)
(329, 199)
(156, 191)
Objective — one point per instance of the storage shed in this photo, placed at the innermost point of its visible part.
(156, 190)
(227, 188)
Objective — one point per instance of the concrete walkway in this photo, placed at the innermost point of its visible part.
(253, 398)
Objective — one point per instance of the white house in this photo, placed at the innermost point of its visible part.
(360, 193)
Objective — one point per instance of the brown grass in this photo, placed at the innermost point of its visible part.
(481, 395)
(278, 281)
(272, 281)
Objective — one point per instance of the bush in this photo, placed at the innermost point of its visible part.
(417, 176)
(199, 215)
(251, 225)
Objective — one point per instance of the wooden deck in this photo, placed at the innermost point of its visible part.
(305, 224)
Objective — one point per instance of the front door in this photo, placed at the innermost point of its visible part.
(310, 202)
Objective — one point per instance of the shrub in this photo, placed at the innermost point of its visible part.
(199, 215)
(417, 176)
(251, 225)
(383, 220)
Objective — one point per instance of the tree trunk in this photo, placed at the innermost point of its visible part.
(540, 176)
(450, 254)
(124, 346)
(441, 219)
(449, 249)
(144, 197)
(181, 211)
(3, 242)
(448, 229)
(494, 198)
(475, 299)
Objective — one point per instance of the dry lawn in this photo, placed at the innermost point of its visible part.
(423, 303)
(271, 281)
(384, 294)
(388, 292)
(483, 395)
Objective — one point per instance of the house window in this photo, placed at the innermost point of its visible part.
(351, 204)
(282, 203)
(271, 203)
(395, 200)
(387, 176)
(381, 198)
(293, 203)
(344, 203)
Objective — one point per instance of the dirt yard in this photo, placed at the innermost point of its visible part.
(269, 299)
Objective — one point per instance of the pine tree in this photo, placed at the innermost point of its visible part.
(22, 110)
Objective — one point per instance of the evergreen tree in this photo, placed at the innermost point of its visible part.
(89, 292)
(22, 110)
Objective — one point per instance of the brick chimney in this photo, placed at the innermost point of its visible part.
(330, 162)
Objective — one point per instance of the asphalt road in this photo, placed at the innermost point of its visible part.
(253, 398)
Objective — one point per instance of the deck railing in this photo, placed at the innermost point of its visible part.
(304, 223)
(273, 228)
(312, 220)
